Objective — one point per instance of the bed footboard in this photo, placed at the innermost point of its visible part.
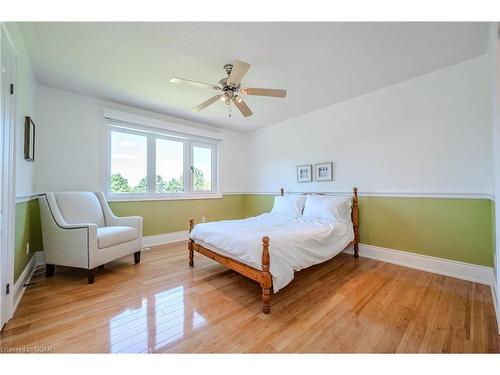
(262, 276)
(267, 281)
(190, 245)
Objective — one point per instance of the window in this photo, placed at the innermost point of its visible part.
(146, 164)
(202, 167)
(128, 163)
(169, 166)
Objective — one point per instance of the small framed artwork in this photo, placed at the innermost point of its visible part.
(304, 173)
(324, 171)
(29, 139)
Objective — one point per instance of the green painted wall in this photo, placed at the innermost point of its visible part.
(257, 204)
(456, 229)
(27, 229)
(173, 215)
(493, 230)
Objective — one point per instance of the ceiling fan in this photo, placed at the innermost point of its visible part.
(231, 88)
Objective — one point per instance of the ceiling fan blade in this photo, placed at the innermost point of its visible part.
(206, 103)
(193, 83)
(242, 106)
(239, 70)
(263, 92)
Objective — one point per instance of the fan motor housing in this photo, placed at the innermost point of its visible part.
(228, 68)
(225, 86)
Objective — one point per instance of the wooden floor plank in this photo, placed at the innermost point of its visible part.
(341, 306)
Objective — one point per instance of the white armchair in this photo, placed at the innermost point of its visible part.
(80, 230)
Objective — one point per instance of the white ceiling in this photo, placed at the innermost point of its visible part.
(319, 63)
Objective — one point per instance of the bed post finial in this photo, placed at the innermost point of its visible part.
(266, 281)
(190, 245)
(282, 191)
(355, 221)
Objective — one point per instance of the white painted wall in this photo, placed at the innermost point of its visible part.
(26, 106)
(431, 134)
(70, 155)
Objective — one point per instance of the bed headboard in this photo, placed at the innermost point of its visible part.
(354, 216)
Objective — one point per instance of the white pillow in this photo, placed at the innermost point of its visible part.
(329, 209)
(289, 205)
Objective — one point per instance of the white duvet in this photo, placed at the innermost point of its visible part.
(294, 244)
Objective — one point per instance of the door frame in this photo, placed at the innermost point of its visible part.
(9, 192)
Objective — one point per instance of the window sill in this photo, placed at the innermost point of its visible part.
(114, 198)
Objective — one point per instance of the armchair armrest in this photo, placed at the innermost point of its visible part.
(113, 220)
(129, 221)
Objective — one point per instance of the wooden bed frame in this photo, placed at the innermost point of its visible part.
(264, 276)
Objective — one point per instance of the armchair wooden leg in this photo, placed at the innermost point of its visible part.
(49, 270)
(137, 257)
(90, 275)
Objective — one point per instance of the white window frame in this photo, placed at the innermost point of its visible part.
(213, 147)
(152, 134)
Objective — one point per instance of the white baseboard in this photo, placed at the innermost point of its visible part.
(36, 260)
(495, 304)
(466, 271)
(164, 238)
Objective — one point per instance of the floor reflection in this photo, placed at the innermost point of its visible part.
(157, 322)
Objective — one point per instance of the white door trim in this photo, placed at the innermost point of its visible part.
(8, 181)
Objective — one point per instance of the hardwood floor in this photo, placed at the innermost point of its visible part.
(162, 305)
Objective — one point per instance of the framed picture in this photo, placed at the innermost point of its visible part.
(29, 139)
(304, 173)
(324, 171)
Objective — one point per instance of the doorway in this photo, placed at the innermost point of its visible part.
(7, 192)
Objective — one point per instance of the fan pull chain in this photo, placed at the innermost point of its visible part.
(229, 111)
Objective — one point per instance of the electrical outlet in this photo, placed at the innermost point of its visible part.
(203, 219)
(27, 247)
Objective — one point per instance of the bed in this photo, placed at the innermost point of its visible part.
(244, 245)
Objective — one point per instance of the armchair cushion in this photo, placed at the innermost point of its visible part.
(80, 207)
(110, 236)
